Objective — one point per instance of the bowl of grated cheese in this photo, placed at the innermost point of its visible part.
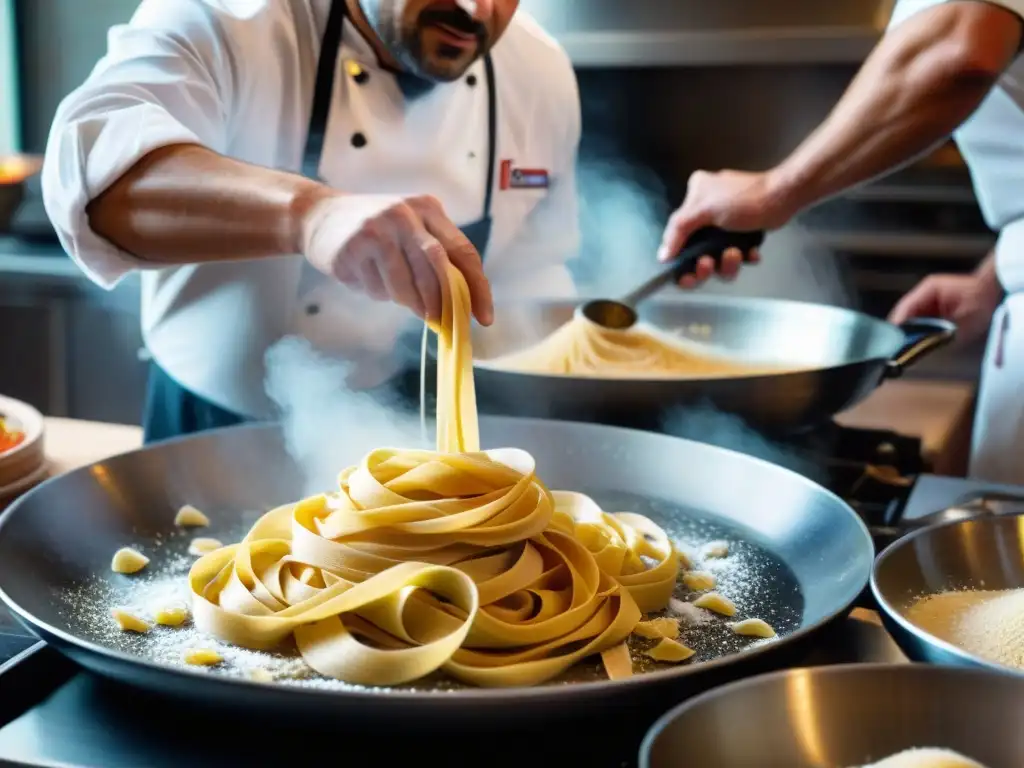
(953, 594)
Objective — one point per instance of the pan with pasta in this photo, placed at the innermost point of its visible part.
(781, 365)
(513, 554)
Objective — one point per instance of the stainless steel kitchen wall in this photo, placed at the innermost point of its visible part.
(678, 119)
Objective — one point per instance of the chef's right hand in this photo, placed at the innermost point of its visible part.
(393, 248)
(733, 200)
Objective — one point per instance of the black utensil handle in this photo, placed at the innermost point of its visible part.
(923, 336)
(713, 242)
(708, 241)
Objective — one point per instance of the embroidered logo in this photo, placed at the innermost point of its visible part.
(523, 178)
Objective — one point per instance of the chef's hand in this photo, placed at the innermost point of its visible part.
(732, 200)
(393, 248)
(967, 300)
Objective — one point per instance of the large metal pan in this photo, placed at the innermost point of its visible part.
(838, 357)
(981, 553)
(805, 555)
(842, 717)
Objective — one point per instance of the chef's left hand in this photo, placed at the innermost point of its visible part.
(733, 200)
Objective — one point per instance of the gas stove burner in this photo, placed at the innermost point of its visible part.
(872, 470)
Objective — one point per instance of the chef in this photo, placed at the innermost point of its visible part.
(941, 68)
(308, 167)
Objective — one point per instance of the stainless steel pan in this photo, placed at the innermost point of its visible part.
(838, 358)
(804, 556)
(981, 553)
(844, 716)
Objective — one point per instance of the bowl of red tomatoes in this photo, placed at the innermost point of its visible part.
(22, 459)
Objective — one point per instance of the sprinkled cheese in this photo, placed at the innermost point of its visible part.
(753, 628)
(171, 617)
(189, 516)
(127, 622)
(201, 546)
(699, 581)
(655, 629)
(202, 657)
(128, 560)
(670, 651)
(717, 603)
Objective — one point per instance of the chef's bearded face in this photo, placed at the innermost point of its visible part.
(438, 39)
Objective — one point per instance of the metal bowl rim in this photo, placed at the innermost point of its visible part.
(890, 613)
(531, 693)
(837, 670)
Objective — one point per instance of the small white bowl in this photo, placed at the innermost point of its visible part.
(28, 456)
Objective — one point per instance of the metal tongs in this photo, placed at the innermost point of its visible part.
(709, 241)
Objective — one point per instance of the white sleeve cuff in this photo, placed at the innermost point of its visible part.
(83, 160)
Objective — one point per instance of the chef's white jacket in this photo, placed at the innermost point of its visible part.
(238, 76)
(992, 144)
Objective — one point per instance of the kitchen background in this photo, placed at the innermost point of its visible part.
(667, 87)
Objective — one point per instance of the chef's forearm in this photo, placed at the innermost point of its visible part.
(187, 204)
(922, 81)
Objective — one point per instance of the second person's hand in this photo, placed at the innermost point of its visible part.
(393, 249)
(733, 200)
(969, 301)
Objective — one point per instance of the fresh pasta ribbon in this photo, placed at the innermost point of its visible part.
(457, 427)
(457, 559)
(619, 542)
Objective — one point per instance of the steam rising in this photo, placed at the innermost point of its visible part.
(623, 210)
(705, 424)
(328, 426)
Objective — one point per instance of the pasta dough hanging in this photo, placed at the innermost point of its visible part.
(455, 559)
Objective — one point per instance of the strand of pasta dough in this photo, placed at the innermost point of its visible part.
(455, 559)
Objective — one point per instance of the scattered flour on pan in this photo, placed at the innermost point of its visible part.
(746, 576)
(162, 587)
(989, 624)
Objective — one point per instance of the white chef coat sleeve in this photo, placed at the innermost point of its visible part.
(539, 256)
(167, 78)
(904, 9)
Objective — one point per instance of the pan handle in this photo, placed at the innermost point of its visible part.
(923, 336)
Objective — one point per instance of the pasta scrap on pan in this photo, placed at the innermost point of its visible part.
(190, 517)
(127, 560)
(129, 622)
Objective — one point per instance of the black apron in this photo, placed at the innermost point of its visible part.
(170, 409)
